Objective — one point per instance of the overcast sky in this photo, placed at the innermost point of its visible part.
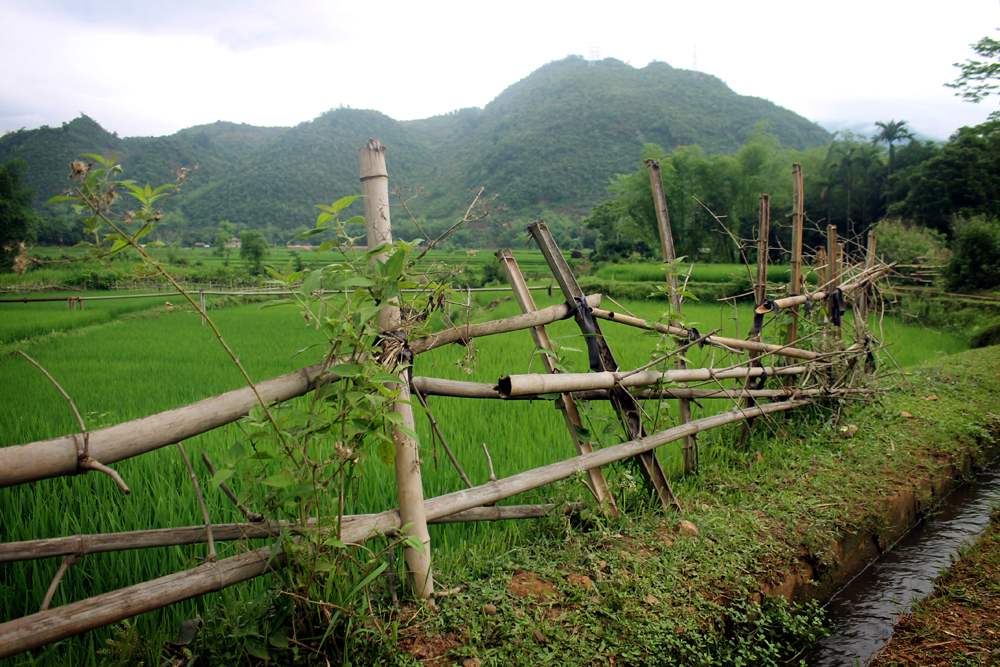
(152, 68)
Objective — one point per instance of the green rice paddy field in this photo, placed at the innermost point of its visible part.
(120, 365)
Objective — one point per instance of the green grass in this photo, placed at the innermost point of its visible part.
(118, 370)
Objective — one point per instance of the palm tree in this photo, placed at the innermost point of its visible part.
(892, 132)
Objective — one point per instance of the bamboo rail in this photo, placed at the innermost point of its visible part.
(463, 389)
(74, 618)
(12, 552)
(536, 384)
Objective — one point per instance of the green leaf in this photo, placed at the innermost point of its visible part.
(312, 282)
(155, 244)
(278, 639)
(357, 281)
(310, 233)
(347, 370)
(386, 452)
(393, 267)
(413, 542)
(96, 157)
(343, 203)
(335, 543)
(281, 480)
(60, 198)
(221, 476)
(381, 377)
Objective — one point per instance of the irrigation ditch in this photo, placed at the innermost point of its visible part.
(804, 368)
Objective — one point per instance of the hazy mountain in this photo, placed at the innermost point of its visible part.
(550, 141)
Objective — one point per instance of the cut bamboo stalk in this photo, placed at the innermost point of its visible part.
(536, 384)
(688, 448)
(832, 272)
(862, 302)
(71, 619)
(482, 390)
(201, 298)
(409, 483)
(736, 343)
(567, 406)
(58, 457)
(798, 218)
(516, 323)
(625, 407)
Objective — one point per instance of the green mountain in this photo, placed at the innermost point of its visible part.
(549, 142)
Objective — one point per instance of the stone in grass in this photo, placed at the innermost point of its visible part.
(685, 528)
(472, 662)
(490, 609)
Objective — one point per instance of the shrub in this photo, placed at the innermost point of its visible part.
(975, 259)
(909, 244)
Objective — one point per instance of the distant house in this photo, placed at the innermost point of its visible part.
(234, 243)
(199, 244)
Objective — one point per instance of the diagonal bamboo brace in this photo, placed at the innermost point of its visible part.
(621, 400)
(567, 405)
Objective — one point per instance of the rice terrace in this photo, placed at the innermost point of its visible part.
(383, 449)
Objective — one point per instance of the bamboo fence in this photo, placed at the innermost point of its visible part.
(810, 378)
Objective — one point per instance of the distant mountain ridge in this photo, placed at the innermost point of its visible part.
(551, 140)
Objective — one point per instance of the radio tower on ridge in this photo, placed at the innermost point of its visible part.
(594, 54)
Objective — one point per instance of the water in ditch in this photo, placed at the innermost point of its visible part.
(864, 611)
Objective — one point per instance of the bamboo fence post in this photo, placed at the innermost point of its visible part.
(409, 485)
(689, 447)
(798, 218)
(201, 296)
(602, 358)
(863, 296)
(567, 404)
(833, 277)
(761, 307)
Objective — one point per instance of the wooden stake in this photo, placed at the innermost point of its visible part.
(689, 446)
(567, 405)
(409, 484)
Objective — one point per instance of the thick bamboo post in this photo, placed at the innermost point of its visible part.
(602, 358)
(409, 484)
(862, 309)
(567, 405)
(689, 445)
(201, 297)
(798, 218)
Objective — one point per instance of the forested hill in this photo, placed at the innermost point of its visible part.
(550, 141)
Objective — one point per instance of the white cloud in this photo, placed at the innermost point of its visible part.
(152, 68)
